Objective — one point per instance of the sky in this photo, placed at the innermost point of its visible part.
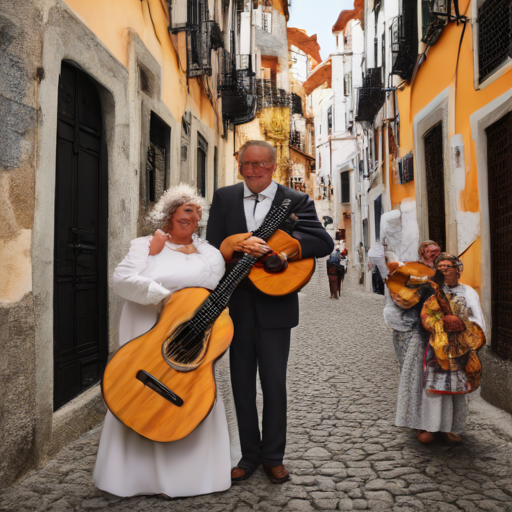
(318, 17)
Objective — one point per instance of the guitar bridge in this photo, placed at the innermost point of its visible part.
(158, 387)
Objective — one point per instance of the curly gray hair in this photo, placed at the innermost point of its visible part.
(170, 201)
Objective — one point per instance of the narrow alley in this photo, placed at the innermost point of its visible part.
(344, 452)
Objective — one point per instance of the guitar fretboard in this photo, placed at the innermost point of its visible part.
(219, 298)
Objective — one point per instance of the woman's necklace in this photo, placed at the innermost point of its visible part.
(184, 248)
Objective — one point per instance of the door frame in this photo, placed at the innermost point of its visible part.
(103, 337)
(479, 121)
(437, 110)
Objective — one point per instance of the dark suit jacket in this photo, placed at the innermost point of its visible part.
(227, 217)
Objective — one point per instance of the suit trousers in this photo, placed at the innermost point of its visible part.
(256, 348)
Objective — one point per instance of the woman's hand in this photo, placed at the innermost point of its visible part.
(157, 243)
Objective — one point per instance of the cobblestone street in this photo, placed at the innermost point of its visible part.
(344, 452)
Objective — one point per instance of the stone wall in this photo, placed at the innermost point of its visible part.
(20, 60)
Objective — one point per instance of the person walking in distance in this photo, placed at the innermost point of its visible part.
(262, 323)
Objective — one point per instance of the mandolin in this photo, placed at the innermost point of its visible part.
(162, 383)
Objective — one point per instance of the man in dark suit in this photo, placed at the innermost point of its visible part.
(262, 323)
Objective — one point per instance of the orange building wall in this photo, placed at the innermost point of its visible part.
(435, 74)
(109, 20)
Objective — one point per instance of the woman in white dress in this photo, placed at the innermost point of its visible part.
(155, 267)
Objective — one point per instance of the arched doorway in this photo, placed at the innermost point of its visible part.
(80, 250)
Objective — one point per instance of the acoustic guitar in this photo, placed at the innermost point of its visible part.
(296, 275)
(162, 384)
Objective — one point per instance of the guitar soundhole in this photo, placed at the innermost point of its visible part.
(185, 349)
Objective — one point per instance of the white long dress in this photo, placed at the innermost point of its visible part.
(128, 464)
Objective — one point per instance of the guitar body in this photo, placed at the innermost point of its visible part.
(404, 296)
(297, 274)
(139, 401)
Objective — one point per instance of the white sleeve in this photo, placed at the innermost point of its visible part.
(473, 302)
(215, 262)
(127, 281)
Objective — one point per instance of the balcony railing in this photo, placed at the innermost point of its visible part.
(202, 34)
(371, 95)
(237, 89)
(270, 96)
(434, 18)
(404, 41)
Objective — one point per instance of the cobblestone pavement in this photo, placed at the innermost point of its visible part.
(344, 452)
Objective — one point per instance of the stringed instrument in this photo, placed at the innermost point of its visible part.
(296, 275)
(399, 283)
(162, 384)
(455, 348)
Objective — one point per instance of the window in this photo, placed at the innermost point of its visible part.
(157, 159)
(345, 187)
(406, 169)
(494, 36)
(202, 152)
(347, 86)
(215, 169)
(377, 209)
(329, 120)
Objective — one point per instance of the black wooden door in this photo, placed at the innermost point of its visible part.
(434, 171)
(80, 253)
(499, 169)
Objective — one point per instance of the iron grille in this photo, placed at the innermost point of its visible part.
(371, 95)
(404, 41)
(237, 90)
(406, 169)
(494, 36)
(270, 96)
(434, 171)
(297, 140)
(296, 104)
(499, 161)
(434, 19)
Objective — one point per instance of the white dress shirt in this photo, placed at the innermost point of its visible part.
(256, 211)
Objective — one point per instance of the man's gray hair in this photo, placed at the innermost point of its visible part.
(170, 201)
(258, 143)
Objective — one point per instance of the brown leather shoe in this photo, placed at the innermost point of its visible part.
(238, 474)
(452, 438)
(425, 437)
(277, 474)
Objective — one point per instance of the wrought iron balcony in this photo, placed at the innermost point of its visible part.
(203, 34)
(434, 18)
(270, 96)
(237, 89)
(404, 41)
(370, 96)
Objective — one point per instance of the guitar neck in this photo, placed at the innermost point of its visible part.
(219, 298)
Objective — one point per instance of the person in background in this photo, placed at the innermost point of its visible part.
(415, 409)
(335, 272)
(452, 368)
